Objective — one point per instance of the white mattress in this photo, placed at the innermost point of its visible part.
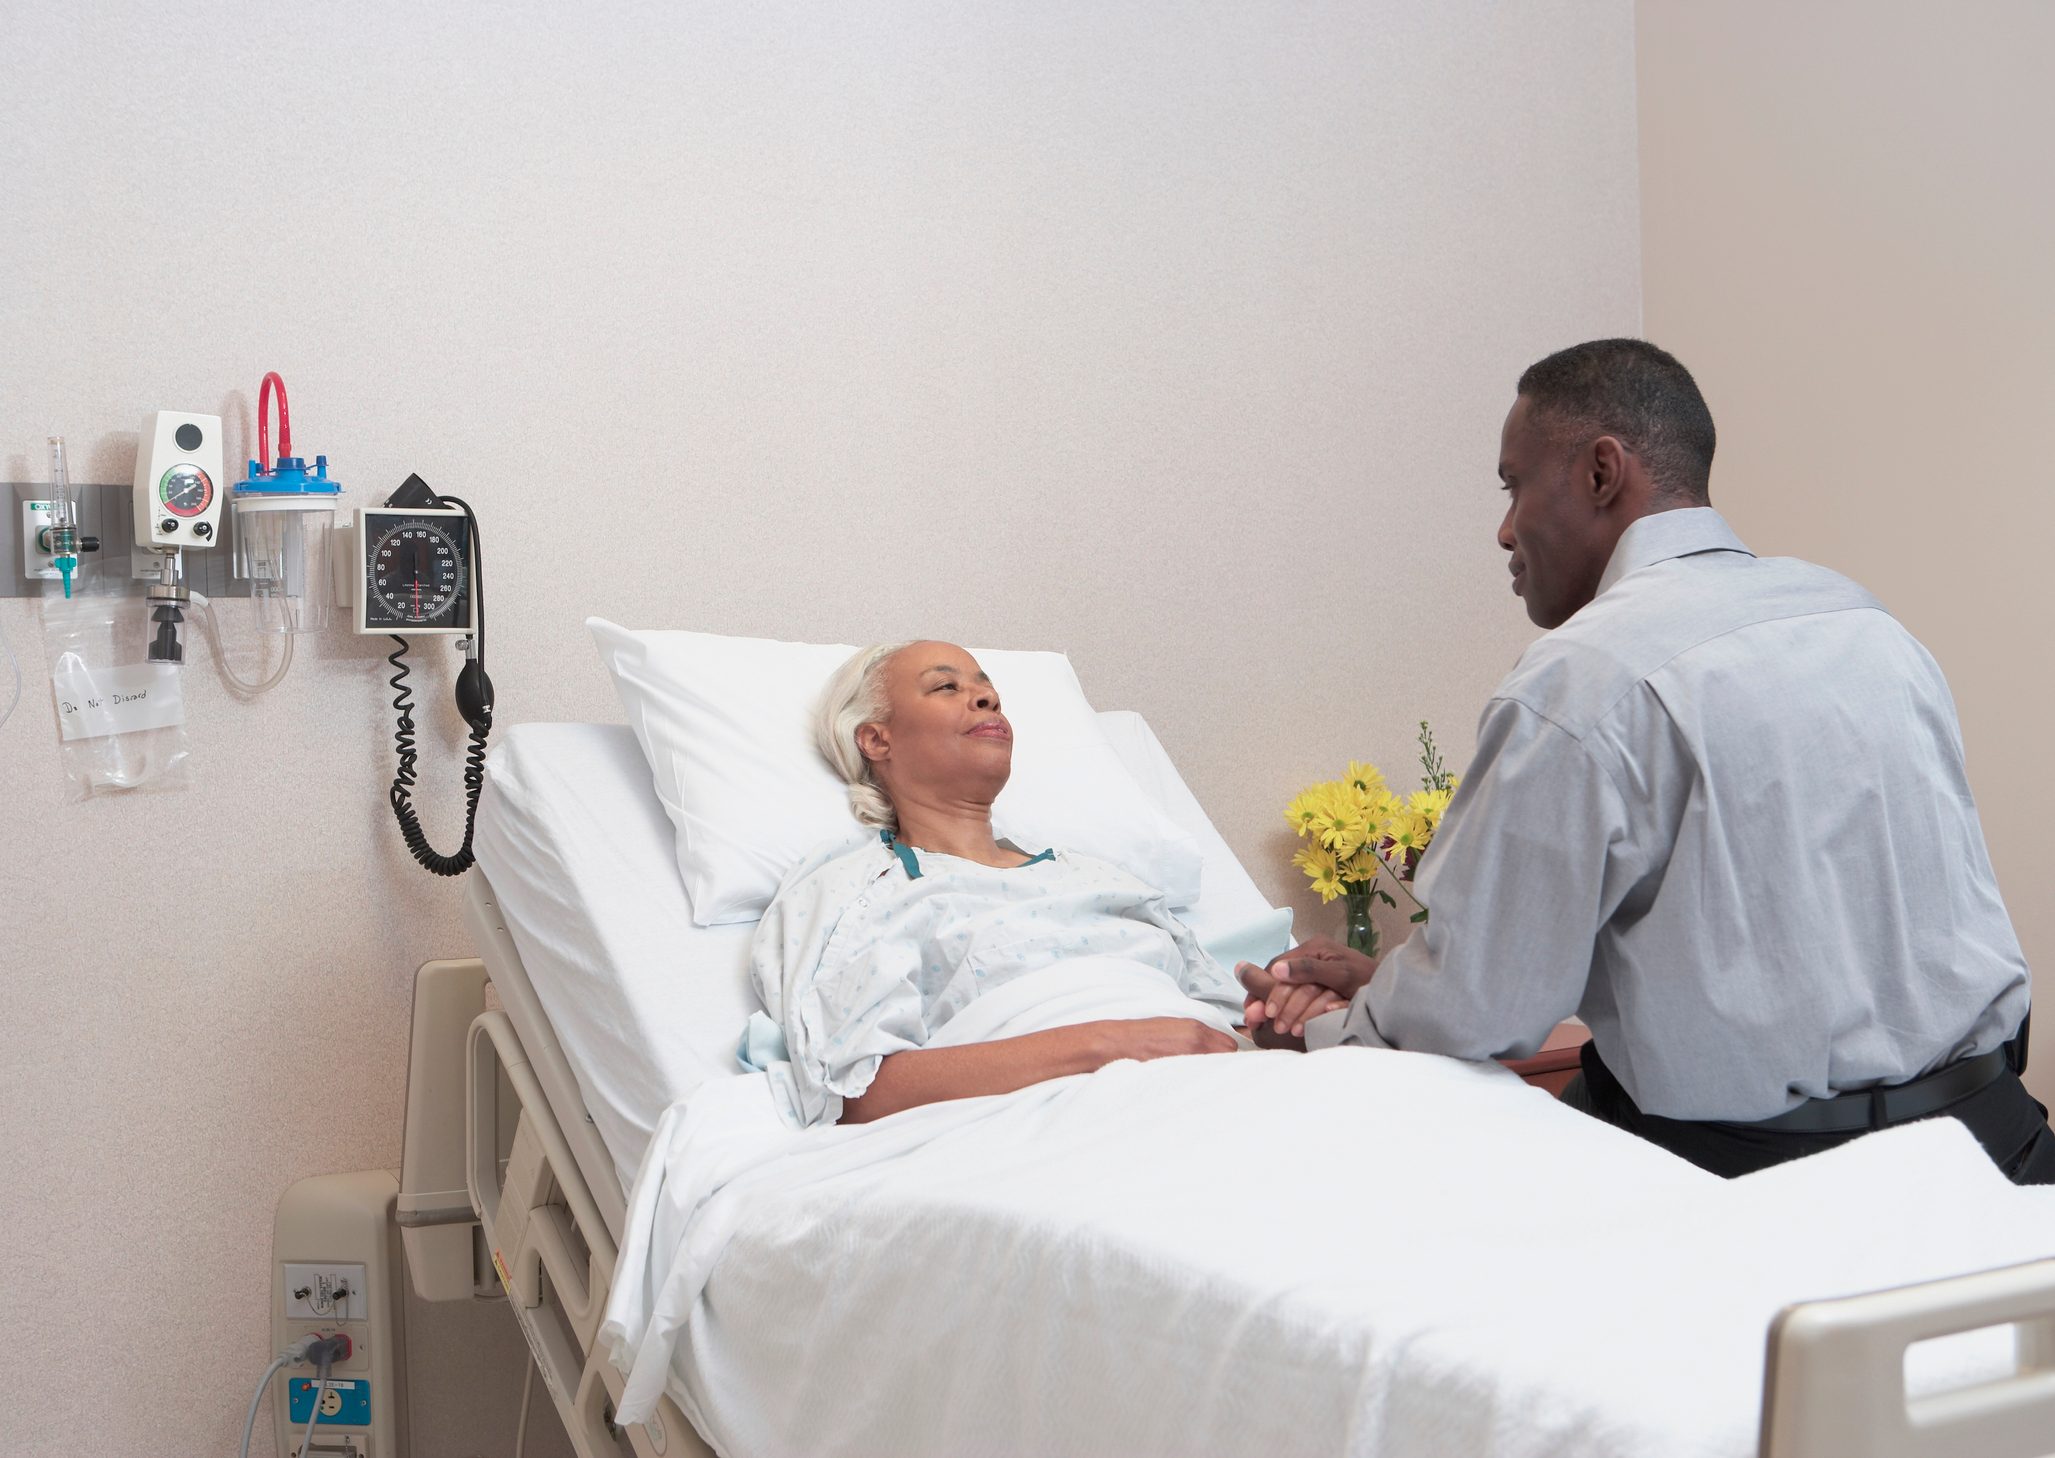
(646, 1005)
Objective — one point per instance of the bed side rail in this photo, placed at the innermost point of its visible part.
(550, 1248)
(437, 1224)
(1835, 1380)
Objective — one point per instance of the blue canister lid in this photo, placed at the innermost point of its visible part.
(290, 478)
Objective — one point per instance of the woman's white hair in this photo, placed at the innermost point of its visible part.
(855, 696)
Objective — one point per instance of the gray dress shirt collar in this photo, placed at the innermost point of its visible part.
(1682, 532)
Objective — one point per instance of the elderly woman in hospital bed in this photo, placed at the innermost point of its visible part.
(870, 952)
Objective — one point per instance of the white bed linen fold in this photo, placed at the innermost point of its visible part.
(1349, 1252)
(740, 1134)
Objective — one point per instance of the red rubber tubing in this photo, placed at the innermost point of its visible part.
(285, 424)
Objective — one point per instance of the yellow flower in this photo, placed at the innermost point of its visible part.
(1305, 809)
(1405, 831)
(1320, 867)
(1364, 777)
(1429, 806)
(1341, 822)
(1346, 834)
(1362, 869)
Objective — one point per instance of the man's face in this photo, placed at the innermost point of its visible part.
(1559, 537)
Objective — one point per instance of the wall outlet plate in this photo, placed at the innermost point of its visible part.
(332, 1292)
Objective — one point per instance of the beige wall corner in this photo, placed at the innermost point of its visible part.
(1173, 333)
(1848, 217)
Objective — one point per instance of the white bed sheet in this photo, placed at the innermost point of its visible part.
(1342, 1253)
(646, 1005)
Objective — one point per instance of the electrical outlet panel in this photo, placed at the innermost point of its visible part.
(325, 1292)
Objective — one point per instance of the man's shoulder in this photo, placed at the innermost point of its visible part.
(1575, 675)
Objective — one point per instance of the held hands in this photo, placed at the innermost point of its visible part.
(1315, 977)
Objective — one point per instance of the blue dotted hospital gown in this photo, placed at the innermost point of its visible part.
(857, 959)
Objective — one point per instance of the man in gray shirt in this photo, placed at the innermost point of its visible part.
(1719, 812)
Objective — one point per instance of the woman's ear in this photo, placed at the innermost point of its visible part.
(872, 742)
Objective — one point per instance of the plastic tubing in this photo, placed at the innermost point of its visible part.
(285, 424)
(14, 666)
(205, 608)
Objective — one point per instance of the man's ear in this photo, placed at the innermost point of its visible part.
(872, 742)
(1608, 471)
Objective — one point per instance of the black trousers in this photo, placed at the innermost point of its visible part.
(2007, 1120)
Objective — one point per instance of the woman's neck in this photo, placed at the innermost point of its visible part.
(963, 830)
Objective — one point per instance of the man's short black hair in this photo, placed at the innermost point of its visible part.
(1629, 389)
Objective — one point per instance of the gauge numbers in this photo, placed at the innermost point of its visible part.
(185, 490)
(417, 571)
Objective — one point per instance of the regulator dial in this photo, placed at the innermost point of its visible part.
(185, 490)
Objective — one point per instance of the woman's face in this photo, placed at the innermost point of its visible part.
(944, 737)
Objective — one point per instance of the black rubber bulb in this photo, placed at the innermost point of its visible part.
(474, 695)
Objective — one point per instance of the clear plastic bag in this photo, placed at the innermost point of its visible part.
(120, 718)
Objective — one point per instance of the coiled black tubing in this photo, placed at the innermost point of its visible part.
(403, 779)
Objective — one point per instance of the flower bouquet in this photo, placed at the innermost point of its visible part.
(1361, 835)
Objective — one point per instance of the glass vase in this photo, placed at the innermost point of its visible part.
(1359, 931)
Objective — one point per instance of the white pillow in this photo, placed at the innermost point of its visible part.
(727, 726)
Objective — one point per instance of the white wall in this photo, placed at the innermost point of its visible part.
(1848, 225)
(1173, 334)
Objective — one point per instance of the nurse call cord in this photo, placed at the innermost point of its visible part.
(418, 552)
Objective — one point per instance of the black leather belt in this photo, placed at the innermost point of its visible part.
(1901, 1103)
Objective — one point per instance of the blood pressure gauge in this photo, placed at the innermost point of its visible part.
(414, 571)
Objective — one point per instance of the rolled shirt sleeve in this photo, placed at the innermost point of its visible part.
(1532, 858)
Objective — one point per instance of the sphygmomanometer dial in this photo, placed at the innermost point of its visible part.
(417, 572)
(185, 490)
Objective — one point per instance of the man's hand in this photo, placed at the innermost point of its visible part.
(1315, 977)
(1276, 1014)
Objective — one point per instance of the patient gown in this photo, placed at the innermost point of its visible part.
(869, 950)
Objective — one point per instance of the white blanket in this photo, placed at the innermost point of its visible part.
(1350, 1252)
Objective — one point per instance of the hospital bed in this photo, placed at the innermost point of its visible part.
(538, 1069)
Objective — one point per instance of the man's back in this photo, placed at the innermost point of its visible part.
(1721, 813)
(1810, 893)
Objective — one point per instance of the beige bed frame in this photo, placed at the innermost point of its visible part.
(505, 1186)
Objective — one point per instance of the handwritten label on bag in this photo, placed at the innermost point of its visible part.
(99, 701)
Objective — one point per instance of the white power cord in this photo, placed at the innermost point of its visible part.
(291, 1356)
(250, 1422)
(314, 1412)
(205, 608)
(14, 663)
(521, 1429)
